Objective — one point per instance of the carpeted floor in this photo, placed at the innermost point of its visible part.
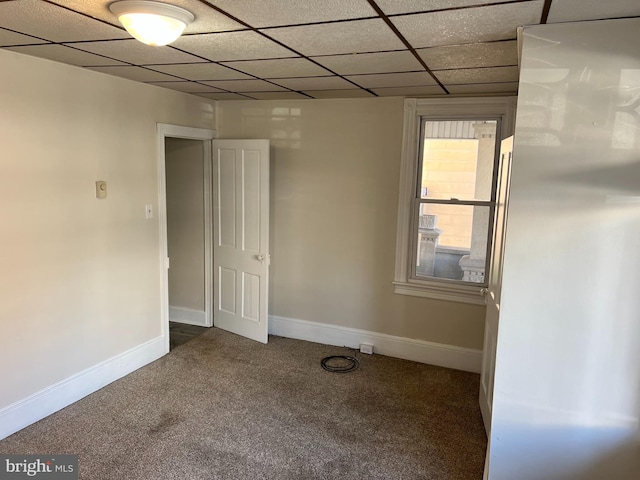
(223, 407)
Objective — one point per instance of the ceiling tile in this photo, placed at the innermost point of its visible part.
(315, 83)
(207, 19)
(286, 95)
(8, 37)
(477, 75)
(402, 61)
(492, 54)
(133, 51)
(200, 71)
(472, 25)
(393, 79)
(354, 93)
(279, 68)
(408, 91)
(60, 53)
(575, 10)
(391, 7)
(268, 13)
(138, 74)
(61, 25)
(232, 46)
(223, 96)
(508, 87)
(246, 86)
(189, 87)
(334, 38)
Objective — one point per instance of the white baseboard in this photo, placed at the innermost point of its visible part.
(449, 356)
(65, 392)
(187, 315)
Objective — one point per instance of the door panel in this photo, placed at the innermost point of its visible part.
(251, 207)
(227, 283)
(250, 296)
(241, 249)
(226, 208)
(495, 284)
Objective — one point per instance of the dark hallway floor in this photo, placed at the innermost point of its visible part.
(180, 333)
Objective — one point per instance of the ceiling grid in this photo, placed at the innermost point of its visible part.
(270, 49)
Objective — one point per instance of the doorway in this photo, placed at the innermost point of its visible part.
(236, 213)
(184, 169)
(188, 220)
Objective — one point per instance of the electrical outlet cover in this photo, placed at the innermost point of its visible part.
(366, 348)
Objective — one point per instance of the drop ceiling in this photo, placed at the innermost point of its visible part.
(280, 49)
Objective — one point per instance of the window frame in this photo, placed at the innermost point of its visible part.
(415, 111)
(418, 201)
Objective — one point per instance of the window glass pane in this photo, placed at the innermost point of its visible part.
(457, 159)
(452, 242)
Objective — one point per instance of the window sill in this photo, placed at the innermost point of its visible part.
(449, 292)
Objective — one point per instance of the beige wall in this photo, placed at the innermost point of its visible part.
(79, 277)
(334, 201)
(185, 222)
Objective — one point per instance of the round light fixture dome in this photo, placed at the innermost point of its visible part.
(153, 23)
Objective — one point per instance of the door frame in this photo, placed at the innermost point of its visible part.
(164, 131)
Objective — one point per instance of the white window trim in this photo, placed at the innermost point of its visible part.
(447, 108)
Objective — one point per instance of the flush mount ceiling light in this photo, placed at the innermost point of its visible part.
(153, 23)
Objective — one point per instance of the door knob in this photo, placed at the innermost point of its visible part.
(260, 258)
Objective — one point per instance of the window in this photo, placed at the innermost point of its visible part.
(447, 195)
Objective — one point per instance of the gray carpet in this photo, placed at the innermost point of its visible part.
(223, 407)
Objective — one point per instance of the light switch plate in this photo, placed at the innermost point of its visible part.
(148, 211)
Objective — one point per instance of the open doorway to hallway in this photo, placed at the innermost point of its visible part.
(188, 201)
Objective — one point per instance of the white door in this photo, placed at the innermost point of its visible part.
(495, 284)
(241, 236)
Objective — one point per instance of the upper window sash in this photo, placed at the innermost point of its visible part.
(419, 160)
